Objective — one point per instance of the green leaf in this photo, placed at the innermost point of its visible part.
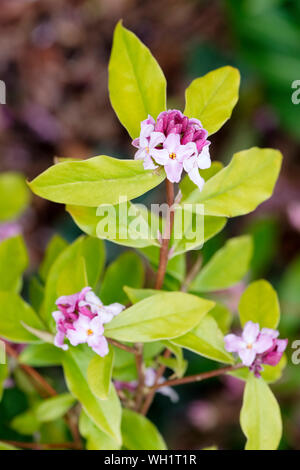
(87, 255)
(127, 269)
(99, 374)
(227, 267)
(211, 98)
(12, 249)
(125, 224)
(136, 295)
(56, 245)
(192, 228)
(124, 366)
(207, 340)
(241, 186)
(259, 303)
(139, 433)
(14, 311)
(53, 408)
(25, 423)
(106, 414)
(41, 355)
(95, 181)
(162, 316)
(223, 317)
(3, 375)
(95, 438)
(36, 292)
(260, 416)
(14, 195)
(187, 186)
(137, 86)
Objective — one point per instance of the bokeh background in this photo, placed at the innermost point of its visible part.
(53, 59)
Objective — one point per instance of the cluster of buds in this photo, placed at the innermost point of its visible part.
(256, 347)
(175, 142)
(80, 318)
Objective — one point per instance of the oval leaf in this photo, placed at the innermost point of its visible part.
(227, 267)
(207, 340)
(99, 374)
(137, 86)
(98, 180)
(139, 433)
(162, 316)
(54, 407)
(259, 303)
(260, 416)
(211, 98)
(241, 186)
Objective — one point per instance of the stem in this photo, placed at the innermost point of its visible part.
(196, 377)
(164, 250)
(43, 389)
(37, 378)
(163, 261)
(141, 377)
(152, 390)
(192, 274)
(122, 346)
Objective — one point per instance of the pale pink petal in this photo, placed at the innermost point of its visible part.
(148, 163)
(233, 343)
(99, 345)
(190, 163)
(185, 151)
(250, 332)
(173, 170)
(172, 142)
(156, 138)
(247, 356)
(262, 344)
(160, 156)
(203, 158)
(194, 176)
(96, 326)
(270, 332)
(77, 336)
(59, 341)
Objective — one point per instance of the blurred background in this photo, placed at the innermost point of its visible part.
(53, 60)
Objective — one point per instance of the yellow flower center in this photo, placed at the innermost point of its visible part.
(147, 149)
(249, 346)
(172, 156)
(90, 332)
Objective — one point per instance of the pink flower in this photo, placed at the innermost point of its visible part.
(175, 142)
(249, 344)
(257, 347)
(172, 156)
(80, 319)
(90, 331)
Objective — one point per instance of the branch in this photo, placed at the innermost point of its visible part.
(196, 377)
(164, 250)
(122, 346)
(141, 377)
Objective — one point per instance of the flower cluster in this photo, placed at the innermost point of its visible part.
(256, 347)
(80, 318)
(175, 142)
(150, 379)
